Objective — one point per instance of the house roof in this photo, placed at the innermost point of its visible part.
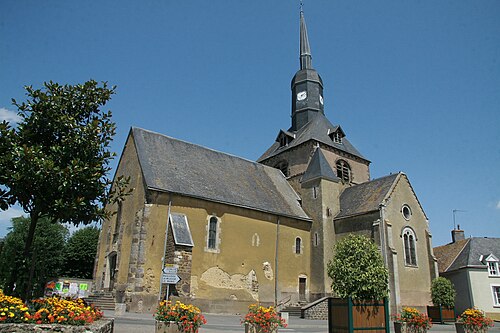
(366, 197)
(466, 253)
(317, 129)
(176, 166)
(319, 168)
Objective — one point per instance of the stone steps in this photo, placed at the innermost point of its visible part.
(102, 301)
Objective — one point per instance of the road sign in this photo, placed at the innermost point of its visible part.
(169, 278)
(170, 269)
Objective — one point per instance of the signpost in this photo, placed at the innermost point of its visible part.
(169, 276)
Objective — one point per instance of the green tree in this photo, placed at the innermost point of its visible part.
(48, 249)
(443, 292)
(56, 160)
(357, 269)
(80, 252)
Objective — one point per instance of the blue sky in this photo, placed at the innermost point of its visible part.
(414, 84)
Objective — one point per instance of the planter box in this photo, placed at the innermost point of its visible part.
(254, 329)
(399, 327)
(100, 326)
(169, 327)
(347, 316)
(441, 314)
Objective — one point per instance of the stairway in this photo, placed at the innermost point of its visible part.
(293, 310)
(104, 301)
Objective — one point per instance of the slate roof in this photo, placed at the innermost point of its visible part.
(177, 166)
(366, 197)
(319, 168)
(317, 129)
(466, 253)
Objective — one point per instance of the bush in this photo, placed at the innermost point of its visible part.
(357, 269)
(442, 292)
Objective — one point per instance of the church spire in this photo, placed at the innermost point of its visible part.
(307, 86)
(305, 49)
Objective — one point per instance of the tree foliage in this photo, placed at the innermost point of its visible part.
(80, 252)
(55, 163)
(443, 292)
(48, 249)
(357, 269)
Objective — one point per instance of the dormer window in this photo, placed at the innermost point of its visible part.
(336, 134)
(284, 138)
(336, 137)
(492, 263)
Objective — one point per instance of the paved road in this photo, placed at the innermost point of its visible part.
(144, 323)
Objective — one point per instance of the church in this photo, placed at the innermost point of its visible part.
(237, 232)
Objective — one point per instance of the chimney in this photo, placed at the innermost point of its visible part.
(457, 234)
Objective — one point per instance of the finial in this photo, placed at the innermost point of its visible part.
(301, 6)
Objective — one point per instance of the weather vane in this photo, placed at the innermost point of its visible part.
(301, 6)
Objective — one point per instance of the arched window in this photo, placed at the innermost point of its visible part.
(212, 233)
(283, 166)
(410, 248)
(298, 245)
(343, 170)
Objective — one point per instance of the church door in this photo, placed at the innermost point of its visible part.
(302, 289)
(112, 271)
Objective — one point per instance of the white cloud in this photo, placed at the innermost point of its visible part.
(498, 204)
(6, 216)
(10, 116)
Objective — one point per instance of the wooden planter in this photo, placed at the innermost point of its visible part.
(347, 316)
(169, 327)
(441, 314)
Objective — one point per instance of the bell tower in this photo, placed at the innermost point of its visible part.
(307, 86)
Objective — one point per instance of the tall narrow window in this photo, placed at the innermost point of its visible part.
(343, 170)
(496, 295)
(315, 192)
(409, 247)
(298, 245)
(212, 233)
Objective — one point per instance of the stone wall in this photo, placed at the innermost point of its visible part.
(317, 310)
(100, 326)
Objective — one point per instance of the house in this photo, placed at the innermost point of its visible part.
(241, 232)
(472, 265)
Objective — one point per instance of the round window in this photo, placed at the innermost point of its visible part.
(406, 212)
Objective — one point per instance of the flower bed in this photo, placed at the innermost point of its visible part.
(262, 319)
(474, 320)
(412, 320)
(188, 318)
(47, 311)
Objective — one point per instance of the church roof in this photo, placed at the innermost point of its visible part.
(319, 168)
(176, 166)
(466, 253)
(317, 129)
(366, 197)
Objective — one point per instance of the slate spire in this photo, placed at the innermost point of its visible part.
(305, 49)
(307, 86)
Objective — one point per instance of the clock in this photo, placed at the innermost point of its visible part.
(321, 99)
(301, 95)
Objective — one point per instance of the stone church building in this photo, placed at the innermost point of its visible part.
(241, 232)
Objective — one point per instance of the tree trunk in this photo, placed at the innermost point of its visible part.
(28, 253)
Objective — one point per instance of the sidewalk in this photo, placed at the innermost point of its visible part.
(145, 323)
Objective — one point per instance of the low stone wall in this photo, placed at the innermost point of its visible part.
(105, 325)
(317, 310)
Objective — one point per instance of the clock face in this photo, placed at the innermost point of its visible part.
(321, 99)
(302, 95)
